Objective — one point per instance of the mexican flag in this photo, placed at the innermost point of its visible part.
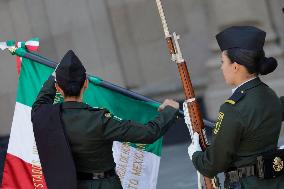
(136, 164)
(31, 45)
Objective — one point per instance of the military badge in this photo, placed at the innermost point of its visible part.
(218, 123)
(108, 115)
(277, 164)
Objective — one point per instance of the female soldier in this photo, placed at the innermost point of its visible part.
(249, 121)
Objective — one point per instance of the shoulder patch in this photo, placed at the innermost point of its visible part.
(236, 97)
(105, 112)
(218, 123)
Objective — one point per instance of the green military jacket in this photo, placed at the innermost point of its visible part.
(91, 132)
(248, 124)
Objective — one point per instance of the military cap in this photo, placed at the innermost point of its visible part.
(244, 37)
(70, 69)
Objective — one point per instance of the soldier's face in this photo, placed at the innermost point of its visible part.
(228, 69)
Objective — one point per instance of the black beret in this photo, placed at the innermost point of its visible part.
(70, 69)
(244, 37)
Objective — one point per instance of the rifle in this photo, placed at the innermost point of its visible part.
(192, 113)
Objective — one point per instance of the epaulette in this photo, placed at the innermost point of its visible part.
(236, 97)
(107, 113)
(95, 108)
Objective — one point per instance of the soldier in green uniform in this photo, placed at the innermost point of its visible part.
(249, 122)
(91, 131)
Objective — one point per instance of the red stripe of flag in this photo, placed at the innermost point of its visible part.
(19, 174)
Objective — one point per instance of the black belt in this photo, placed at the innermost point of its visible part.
(268, 165)
(95, 176)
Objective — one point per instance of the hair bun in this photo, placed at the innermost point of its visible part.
(267, 65)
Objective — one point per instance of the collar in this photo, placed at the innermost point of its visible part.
(234, 89)
(74, 105)
(249, 85)
(240, 92)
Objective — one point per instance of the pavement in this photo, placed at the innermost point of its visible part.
(177, 170)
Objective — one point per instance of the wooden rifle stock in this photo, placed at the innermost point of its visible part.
(194, 112)
(193, 107)
(192, 104)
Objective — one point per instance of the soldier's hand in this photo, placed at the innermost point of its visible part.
(54, 72)
(169, 102)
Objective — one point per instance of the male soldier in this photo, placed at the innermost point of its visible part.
(91, 131)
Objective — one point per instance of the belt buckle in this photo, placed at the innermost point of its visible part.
(259, 167)
(98, 176)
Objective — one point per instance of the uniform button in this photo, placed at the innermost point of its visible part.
(107, 115)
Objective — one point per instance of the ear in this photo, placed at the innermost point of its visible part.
(236, 67)
(58, 89)
(86, 84)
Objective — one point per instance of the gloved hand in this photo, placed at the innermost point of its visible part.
(194, 146)
(281, 147)
(53, 73)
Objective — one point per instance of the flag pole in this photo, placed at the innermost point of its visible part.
(105, 84)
